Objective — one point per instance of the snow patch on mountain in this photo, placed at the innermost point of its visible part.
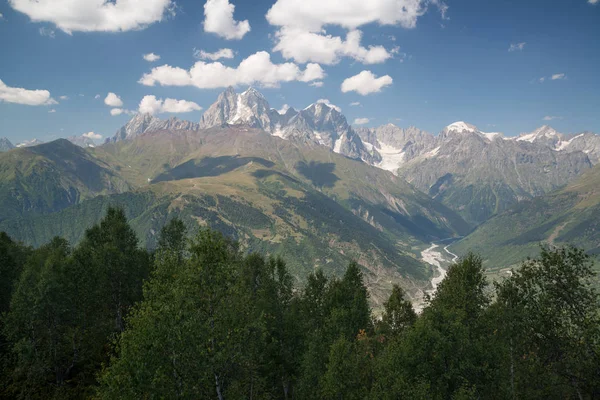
(391, 157)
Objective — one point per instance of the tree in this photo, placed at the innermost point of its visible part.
(44, 326)
(187, 337)
(173, 236)
(398, 314)
(110, 249)
(446, 348)
(548, 322)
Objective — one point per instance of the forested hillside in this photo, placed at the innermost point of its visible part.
(198, 318)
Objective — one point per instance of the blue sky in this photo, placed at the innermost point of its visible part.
(445, 61)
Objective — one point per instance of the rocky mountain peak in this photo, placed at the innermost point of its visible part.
(247, 108)
(544, 133)
(5, 144)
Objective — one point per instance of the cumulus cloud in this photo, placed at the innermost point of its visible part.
(152, 105)
(221, 53)
(316, 84)
(589, 1)
(97, 96)
(558, 76)
(113, 100)
(303, 46)
(301, 35)
(64, 97)
(312, 15)
(361, 121)
(355, 104)
(24, 96)
(219, 20)
(551, 117)
(95, 15)
(365, 83)
(517, 46)
(151, 57)
(327, 102)
(92, 135)
(256, 69)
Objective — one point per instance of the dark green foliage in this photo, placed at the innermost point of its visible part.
(398, 314)
(549, 327)
(66, 307)
(211, 322)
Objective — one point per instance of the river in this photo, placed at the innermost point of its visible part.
(439, 257)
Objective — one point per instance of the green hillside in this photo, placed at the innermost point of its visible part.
(50, 177)
(272, 196)
(567, 216)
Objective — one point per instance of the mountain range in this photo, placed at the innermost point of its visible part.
(301, 182)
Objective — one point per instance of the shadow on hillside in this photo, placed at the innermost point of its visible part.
(320, 174)
(209, 166)
(265, 173)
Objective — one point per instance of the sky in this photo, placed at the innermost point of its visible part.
(73, 67)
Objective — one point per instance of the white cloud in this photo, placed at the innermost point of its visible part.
(517, 46)
(593, 1)
(152, 105)
(361, 121)
(301, 35)
(313, 15)
(95, 15)
(542, 79)
(52, 111)
(355, 104)
(283, 109)
(97, 96)
(219, 20)
(119, 111)
(151, 57)
(221, 53)
(81, 95)
(327, 102)
(92, 135)
(113, 100)
(25, 96)
(303, 46)
(64, 97)
(316, 84)
(551, 117)
(256, 69)
(365, 83)
(558, 76)
(47, 32)
(1, 16)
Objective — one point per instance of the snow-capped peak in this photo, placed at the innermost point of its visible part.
(461, 126)
(542, 132)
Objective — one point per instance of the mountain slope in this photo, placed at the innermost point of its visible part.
(476, 173)
(280, 196)
(50, 177)
(569, 215)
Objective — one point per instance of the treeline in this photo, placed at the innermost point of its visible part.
(198, 319)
